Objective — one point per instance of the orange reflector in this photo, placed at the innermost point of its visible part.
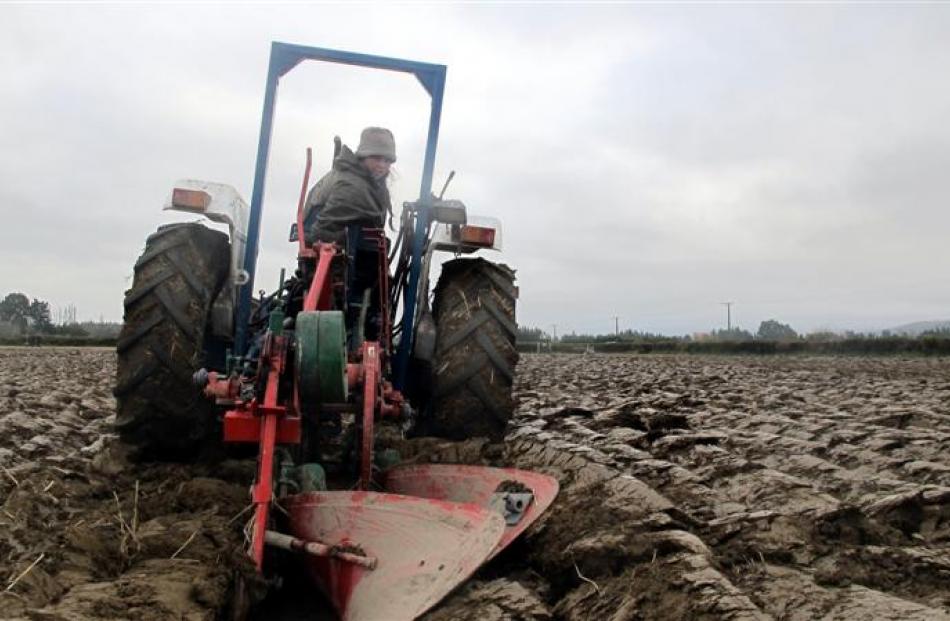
(477, 235)
(192, 200)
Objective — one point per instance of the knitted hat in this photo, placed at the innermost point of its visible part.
(377, 141)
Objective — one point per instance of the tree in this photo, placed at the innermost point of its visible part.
(72, 329)
(15, 308)
(735, 334)
(822, 336)
(530, 335)
(772, 330)
(40, 314)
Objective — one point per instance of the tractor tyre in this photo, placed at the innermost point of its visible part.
(159, 410)
(475, 355)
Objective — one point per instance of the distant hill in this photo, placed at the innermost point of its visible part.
(918, 327)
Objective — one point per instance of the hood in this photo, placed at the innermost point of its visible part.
(347, 161)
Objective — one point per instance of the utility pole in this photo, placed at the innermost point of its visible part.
(616, 326)
(554, 326)
(728, 306)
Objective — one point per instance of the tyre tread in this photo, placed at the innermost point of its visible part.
(158, 410)
(473, 373)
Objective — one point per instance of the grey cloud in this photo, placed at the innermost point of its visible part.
(647, 161)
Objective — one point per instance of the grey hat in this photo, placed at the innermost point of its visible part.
(377, 141)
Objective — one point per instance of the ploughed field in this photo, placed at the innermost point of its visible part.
(692, 487)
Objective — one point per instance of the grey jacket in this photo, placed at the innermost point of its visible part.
(346, 195)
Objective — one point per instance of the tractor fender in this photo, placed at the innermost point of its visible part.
(452, 237)
(223, 204)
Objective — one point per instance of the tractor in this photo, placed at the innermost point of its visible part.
(350, 348)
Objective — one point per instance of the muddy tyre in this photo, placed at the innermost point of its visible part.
(159, 410)
(475, 358)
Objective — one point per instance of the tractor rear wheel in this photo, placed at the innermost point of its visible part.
(159, 410)
(475, 356)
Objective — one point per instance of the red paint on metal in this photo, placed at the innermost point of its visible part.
(318, 296)
(424, 548)
(262, 491)
(269, 415)
(303, 250)
(371, 379)
(472, 484)
(242, 426)
(392, 402)
(221, 387)
(354, 373)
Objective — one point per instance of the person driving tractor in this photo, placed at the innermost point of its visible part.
(352, 196)
(354, 192)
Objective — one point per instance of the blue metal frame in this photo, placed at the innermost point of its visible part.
(283, 58)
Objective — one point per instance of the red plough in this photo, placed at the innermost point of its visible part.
(387, 554)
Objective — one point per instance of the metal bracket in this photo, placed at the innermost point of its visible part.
(511, 505)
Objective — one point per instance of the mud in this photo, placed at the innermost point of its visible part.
(103, 538)
(692, 487)
(729, 488)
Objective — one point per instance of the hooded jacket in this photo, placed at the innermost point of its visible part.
(346, 195)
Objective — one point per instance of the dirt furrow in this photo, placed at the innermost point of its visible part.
(794, 495)
(691, 487)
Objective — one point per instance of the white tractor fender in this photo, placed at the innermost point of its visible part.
(218, 202)
(221, 203)
(452, 237)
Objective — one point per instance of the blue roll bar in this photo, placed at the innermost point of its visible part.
(283, 58)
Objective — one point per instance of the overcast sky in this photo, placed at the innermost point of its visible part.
(647, 161)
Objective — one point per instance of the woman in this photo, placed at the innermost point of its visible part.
(354, 191)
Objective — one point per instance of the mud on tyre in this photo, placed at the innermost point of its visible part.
(475, 358)
(178, 276)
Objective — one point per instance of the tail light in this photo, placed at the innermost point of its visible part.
(477, 236)
(192, 200)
